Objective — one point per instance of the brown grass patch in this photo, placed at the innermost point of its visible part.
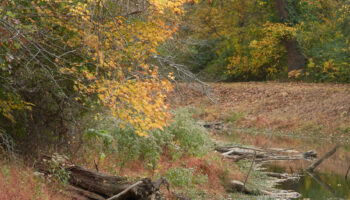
(19, 183)
(287, 106)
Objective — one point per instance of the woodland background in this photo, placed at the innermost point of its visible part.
(93, 77)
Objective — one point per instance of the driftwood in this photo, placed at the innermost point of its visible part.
(238, 186)
(99, 186)
(319, 161)
(259, 156)
(284, 176)
(237, 153)
(212, 125)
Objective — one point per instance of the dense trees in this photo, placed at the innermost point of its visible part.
(261, 40)
(61, 59)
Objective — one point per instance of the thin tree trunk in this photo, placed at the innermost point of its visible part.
(295, 59)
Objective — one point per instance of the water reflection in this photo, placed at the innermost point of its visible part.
(317, 185)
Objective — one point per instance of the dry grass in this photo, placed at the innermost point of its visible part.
(19, 183)
(306, 107)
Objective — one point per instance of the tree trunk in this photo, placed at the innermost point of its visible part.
(295, 60)
(95, 185)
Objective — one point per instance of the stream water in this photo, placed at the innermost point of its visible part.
(316, 186)
(328, 180)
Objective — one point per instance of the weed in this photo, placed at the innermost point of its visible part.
(181, 136)
(233, 117)
(185, 177)
(346, 130)
(196, 194)
(180, 177)
(191, 137)
(57, 168)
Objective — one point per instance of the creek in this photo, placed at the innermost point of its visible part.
(318, 185)
(328, 179)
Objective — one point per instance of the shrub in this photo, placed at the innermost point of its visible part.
(181, 177)
(182, 136)
(191, 137)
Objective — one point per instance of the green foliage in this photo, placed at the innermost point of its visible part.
(182, 136)
(233, 117)
(246, 40)
(100, 136)
(191, 137)
(131, 147)
(346, 130)
(323, 35)
(57, 168)
(183, 177)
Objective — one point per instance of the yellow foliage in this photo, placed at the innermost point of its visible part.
(264, 52)
(118, 48)
(7, 106)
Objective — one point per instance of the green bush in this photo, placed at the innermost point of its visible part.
(181, 177)
(191, 137)
(182, 136)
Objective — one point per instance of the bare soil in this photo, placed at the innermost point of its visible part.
(304, 107)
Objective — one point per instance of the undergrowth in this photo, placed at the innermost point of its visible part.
(21, 183)
(183, 136)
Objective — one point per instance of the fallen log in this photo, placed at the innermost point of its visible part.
(97, 186)
(82, 194)
(237, 153)
(212, 125)
(238, 186)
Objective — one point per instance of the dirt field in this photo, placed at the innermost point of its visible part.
(304, 107)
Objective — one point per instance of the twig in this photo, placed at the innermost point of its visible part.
(125, 191)
(346, 175)
(96, 164)
(319, 161)
(250, 169)
(181, 69)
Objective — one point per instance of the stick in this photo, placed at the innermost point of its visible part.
(96, 164)
(228, 152)
(319, 161)
(346, 175)
(125, 191)
(250, 169)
